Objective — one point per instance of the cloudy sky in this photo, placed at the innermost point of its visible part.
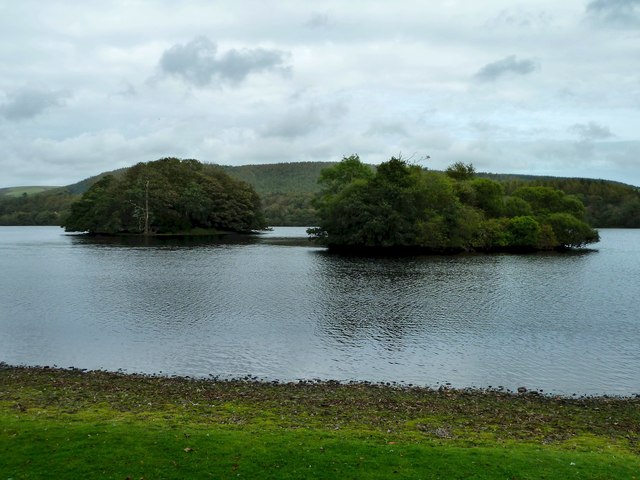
(537, 87)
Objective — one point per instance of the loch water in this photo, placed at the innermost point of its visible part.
(274, 306)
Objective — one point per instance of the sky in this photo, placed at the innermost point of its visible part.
(532, 87)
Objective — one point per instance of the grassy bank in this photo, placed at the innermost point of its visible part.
(73, 424)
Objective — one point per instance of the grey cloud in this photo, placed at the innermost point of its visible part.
(492, 71)
(591, 131)
(484, 127)
(302, 120)
(520, 18)
(588, 134)
(624, 13)
(237, 64)
(199, 62)
(30, 102)
(318, 20)
(337, 110)
(510, 130)
(127, 90)
(386, 129)
(295, 123)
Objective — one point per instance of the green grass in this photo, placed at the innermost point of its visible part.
(63, 448)
(69, 424)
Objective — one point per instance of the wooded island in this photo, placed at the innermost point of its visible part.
(167, 196)
(403, 206)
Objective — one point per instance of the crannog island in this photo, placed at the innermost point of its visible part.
(168, 196)
(404, 207)
(395, 207)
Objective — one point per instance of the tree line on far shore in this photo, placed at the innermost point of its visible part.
(287, 190)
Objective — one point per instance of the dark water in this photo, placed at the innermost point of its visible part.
(278, 308)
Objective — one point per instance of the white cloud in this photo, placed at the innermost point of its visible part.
(509, 87)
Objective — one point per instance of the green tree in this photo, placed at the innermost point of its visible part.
(99, 209)
(488, 196)
(399, 205)
(167, 196)
(571, 232)
(523, 232)
(335, 178)
(461, 171)
(492, 234)
(545, 200)
(516, 207)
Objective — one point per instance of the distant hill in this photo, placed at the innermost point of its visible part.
(517, 177)
(287, 189)
(608, 204)
(296, 177)
(19, 191)
(82, 186)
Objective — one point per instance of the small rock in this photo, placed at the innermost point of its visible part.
(522, 389)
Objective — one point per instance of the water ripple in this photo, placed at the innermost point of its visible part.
(277, 308)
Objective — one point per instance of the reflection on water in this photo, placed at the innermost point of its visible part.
(280, 236)
(275, 306)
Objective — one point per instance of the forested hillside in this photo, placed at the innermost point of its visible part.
(45, 208)
(279, 178)
(43, 205)
(608, 204)
(286, 190)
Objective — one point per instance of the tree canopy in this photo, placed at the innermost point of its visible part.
(287, 189)
(167, 196)
(403, 205)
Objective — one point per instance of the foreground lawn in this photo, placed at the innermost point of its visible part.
(70, 424)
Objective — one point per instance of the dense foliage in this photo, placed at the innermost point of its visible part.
(608, 204)
(286, 191)
(167, 196)
(289, 209)
(402, 205)
(43, 208)
(280, 178)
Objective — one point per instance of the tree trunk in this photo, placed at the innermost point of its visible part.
(146, 208)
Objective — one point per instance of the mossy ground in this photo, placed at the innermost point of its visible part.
(74, 424)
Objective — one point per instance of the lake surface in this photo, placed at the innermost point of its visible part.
(276, 307)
